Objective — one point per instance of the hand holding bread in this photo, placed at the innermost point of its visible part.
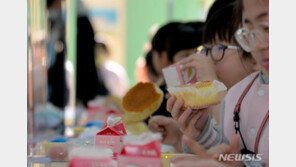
(190, 123)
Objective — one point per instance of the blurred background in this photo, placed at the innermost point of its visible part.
(81, 49)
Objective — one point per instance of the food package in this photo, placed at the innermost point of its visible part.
(91, 157)
(141, 151)
(111, 135)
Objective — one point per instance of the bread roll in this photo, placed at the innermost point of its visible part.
(198, 95)
(141, 101)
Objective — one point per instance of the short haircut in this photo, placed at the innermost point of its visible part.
(159, 39)
(185, 36)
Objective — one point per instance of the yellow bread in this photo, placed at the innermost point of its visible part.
(198, 95)
(141, 101)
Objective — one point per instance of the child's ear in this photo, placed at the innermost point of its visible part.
(163, 54)
(164, 57)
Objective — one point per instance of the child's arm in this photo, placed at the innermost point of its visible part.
(211, 135)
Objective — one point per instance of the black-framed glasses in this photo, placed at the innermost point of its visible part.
(216, 51)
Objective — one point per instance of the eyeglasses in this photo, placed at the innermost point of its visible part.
(249, 39)
(217, 51)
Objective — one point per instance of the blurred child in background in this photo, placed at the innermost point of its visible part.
(171, 43)
(113, 74)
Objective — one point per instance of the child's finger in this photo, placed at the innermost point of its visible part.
(234, 144)
(194, 119)
(192, 64)
(177, 109)
(182, 121)
(155, 128)
(187, 60)
(170, 103)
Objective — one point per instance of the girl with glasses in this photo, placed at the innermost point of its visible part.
(245, 111)
(220, 58)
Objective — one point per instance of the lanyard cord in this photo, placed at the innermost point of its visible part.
(237, 128)
(236, 117)
(260, 131)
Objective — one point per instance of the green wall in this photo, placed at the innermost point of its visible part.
(188, 10)
(142, 14)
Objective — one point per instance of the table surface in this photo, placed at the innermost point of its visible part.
(59, 164)
(164, 148)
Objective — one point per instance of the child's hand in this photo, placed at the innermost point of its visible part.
(171, 134)
(202, 158)
(191, 123)
(203, 65)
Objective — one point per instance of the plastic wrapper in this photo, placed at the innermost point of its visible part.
(199, 95)
(48, 116)
(141, 139)
(86, 138)
(91, 157)
(113, 121)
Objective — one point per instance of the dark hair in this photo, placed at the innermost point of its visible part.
(159, 39)
(185, 36)
(149, 63)
(217, 5)
(49, 3)
(89, 81)
(222, 24)
(238, 11)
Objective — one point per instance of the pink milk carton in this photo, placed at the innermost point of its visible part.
(174, 76)
(91, 157)
(141, 151)
(111, 135)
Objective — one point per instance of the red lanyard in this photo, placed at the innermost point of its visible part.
(236, 116)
